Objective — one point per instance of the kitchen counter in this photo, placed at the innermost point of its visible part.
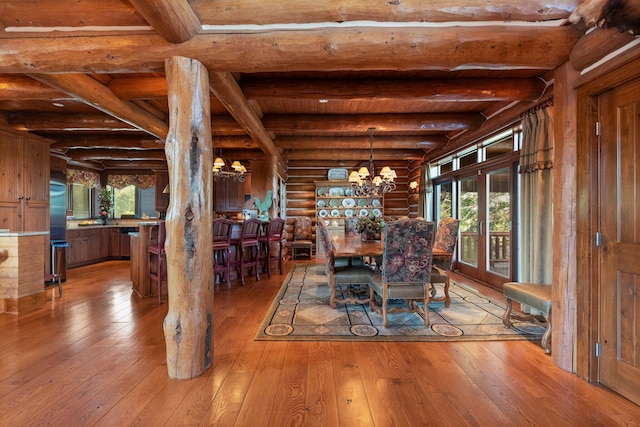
(22, 271)
(22, 233)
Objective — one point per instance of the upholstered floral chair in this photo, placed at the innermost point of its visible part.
(351, 282)
(445, 242)
(406, 268)
(302, 237)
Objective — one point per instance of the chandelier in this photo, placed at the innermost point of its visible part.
(221, 171)
(365, 182)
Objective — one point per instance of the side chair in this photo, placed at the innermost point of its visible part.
(406, 268)
(445, 242)
(302, 237)
(222, 229)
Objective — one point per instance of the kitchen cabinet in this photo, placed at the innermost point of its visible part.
(161, 199)
(94, 244)
(229, 195)
(24, 193)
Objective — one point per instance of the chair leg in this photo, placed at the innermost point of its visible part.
(447, 298)
(160, 266)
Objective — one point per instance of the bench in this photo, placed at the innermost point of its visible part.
(534, 295)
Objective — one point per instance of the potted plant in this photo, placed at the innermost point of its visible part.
(105, 201)
(370, 227)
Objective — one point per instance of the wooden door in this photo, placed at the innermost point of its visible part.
(619, 180)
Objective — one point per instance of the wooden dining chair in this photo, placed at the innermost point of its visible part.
(247, 247)
(302, 242)
(157, 269)
(406, 268)
(445, 243)
(222, 228)
(351, 281)
(272, 245)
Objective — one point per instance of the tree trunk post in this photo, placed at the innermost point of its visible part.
(188, 326)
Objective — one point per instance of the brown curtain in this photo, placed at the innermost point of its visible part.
(424, 185)
(536, 163)
(140, 181)
(87, 178)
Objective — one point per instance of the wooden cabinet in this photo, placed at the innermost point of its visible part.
(105, 243)
(94, 244)
(229, 195)
(162, 199)
(24, 193)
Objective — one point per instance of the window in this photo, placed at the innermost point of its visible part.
(131, 200)
(80, 201)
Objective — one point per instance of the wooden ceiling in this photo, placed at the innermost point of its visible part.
(301, 81)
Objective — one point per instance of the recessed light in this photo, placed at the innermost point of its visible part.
(58, 104)
(323, 101)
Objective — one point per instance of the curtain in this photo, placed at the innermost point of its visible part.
(536, 163)
(424, 185)
(87, 178)
(140, 181)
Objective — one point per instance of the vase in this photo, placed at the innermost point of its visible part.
(104, 220)
(370, 237)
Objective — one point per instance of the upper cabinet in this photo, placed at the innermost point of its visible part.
(24, 192)
(229, 195)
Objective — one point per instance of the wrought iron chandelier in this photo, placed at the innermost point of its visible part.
(365, 182)
(221, 171)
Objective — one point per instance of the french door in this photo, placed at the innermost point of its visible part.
(486, 209)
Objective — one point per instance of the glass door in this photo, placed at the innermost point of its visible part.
(486, 212)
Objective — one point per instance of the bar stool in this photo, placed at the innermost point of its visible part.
(273, 236)
(159, 273)
(222, 248)
(247, 248)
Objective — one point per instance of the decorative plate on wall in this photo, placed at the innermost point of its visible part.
(323, 213)
(338, 174)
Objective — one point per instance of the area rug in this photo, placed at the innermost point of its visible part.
(301, 312)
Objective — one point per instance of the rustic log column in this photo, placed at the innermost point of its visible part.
(188, 327)
(563, 291)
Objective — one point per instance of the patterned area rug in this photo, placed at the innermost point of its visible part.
(301, 311)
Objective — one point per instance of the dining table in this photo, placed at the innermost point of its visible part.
(354, 246)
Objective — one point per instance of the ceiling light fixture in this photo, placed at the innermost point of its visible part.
(365, 182)
(221, 171)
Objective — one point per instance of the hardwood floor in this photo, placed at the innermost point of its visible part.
(97, 357)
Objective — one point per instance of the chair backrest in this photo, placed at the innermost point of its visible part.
(446, 239)
(275, 229)
(250, 229)
(162, 235)
(222, 228)
(408, 251)
(302, 228)
(350, 226)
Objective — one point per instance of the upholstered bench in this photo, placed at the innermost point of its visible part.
(534, 295)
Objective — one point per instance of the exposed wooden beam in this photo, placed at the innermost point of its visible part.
(100, 97)
(443, 90)
(220, 12)
(107, 142)
(134, 164)
(351, 142)
(323, 154)
(172, 19)
(226, 89)
(115, 154)
(359, 48)
(56, 122)
(20, 87)
(595, 45)
(441, 122)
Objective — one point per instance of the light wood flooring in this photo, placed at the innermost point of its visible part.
(97, 357)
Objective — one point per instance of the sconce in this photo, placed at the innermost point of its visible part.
(413, 186)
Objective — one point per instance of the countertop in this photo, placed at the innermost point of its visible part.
(23, 233)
